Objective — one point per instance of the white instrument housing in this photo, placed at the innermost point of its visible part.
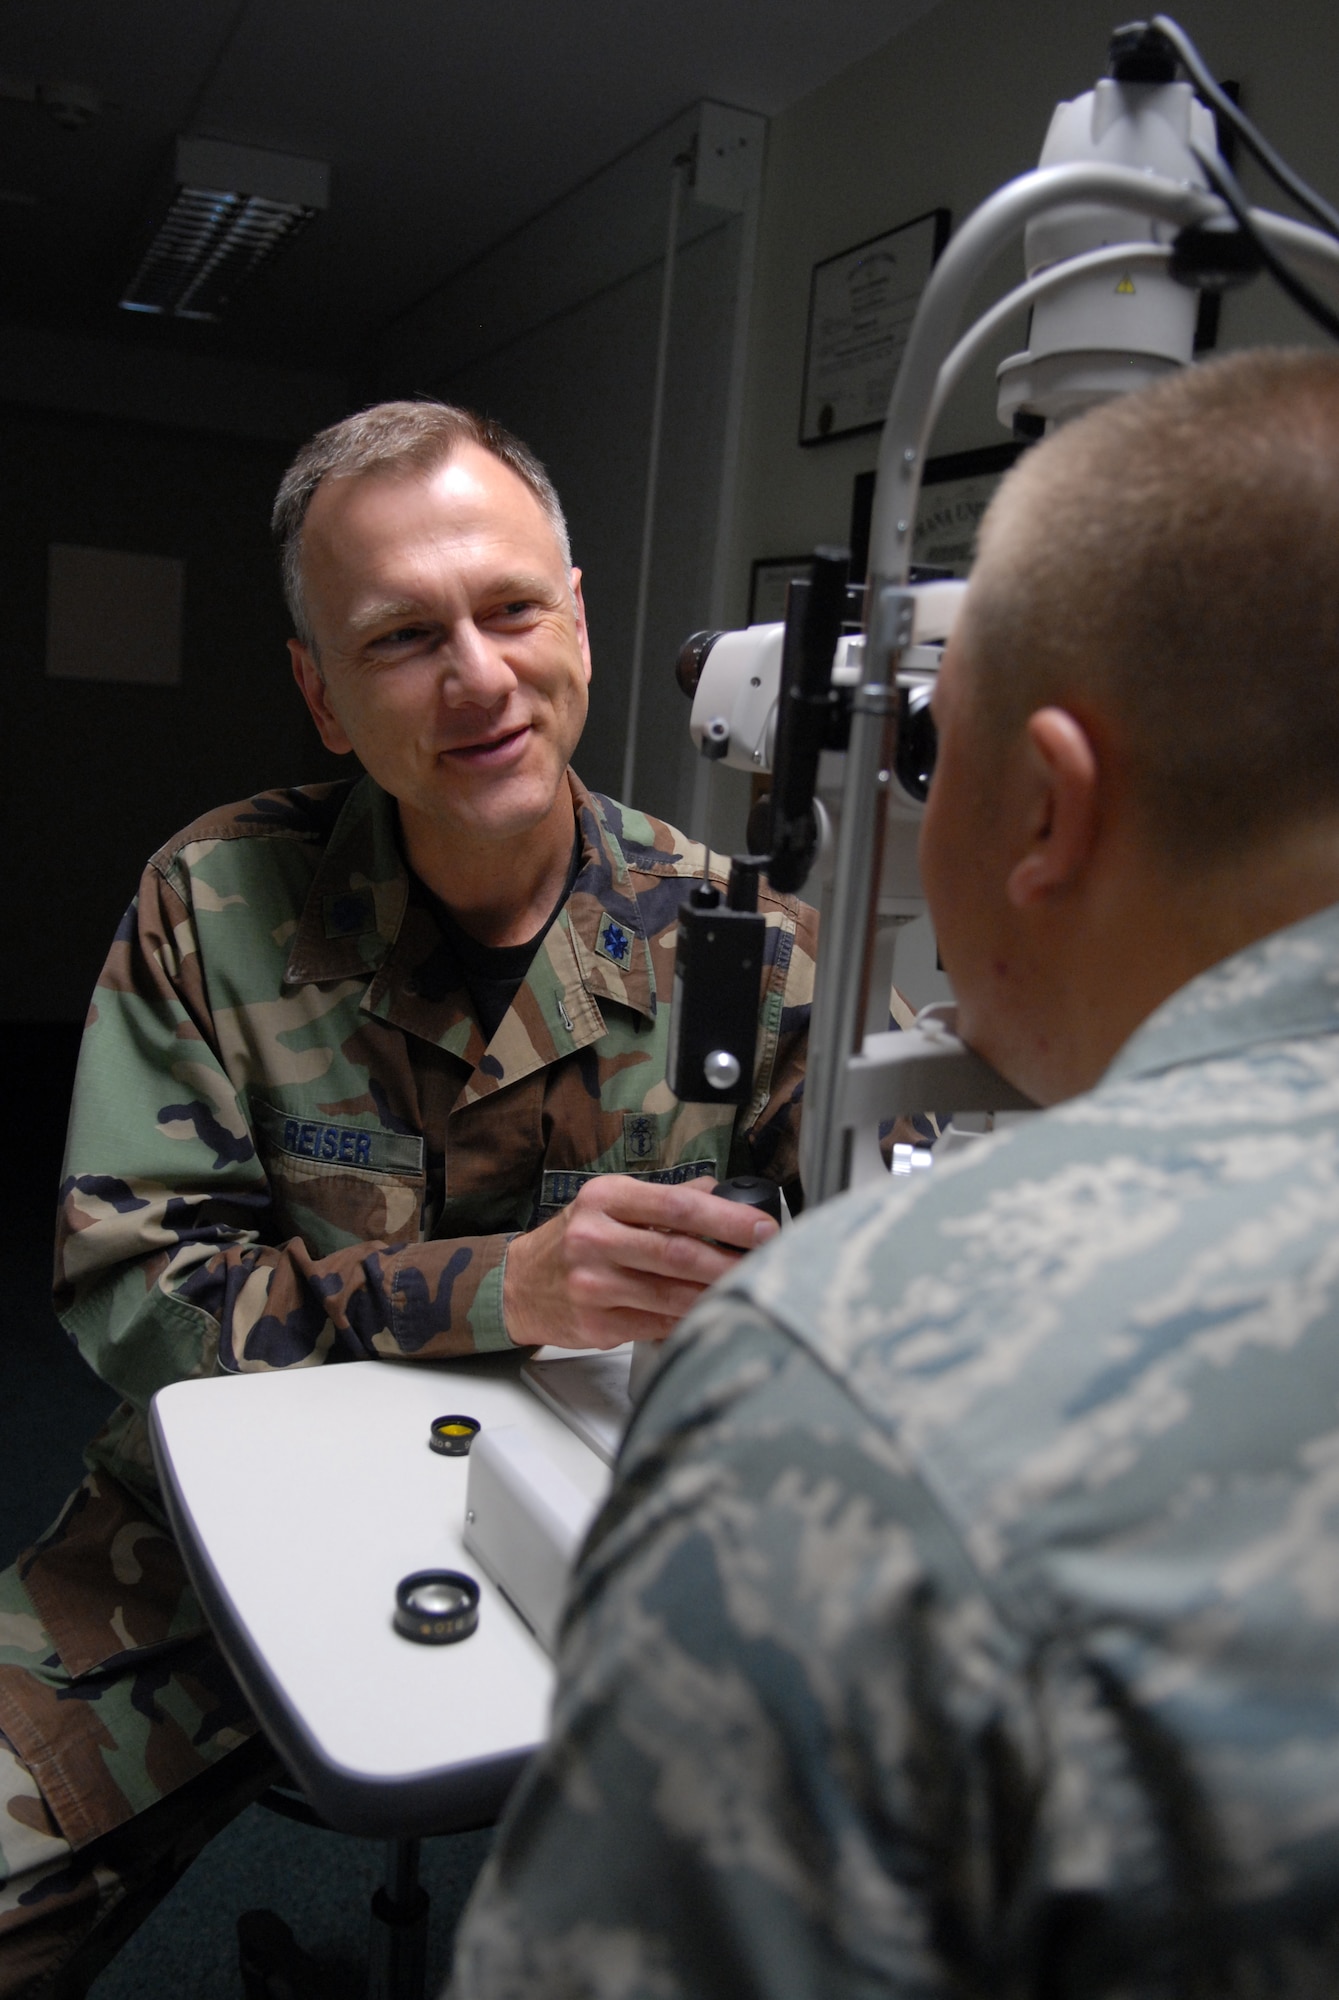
(741, 676)
(1108, 331)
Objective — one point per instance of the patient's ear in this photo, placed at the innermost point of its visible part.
(1060, 794)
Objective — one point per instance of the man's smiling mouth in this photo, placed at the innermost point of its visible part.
(491, 750)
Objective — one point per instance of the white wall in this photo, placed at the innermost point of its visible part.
(953, 106)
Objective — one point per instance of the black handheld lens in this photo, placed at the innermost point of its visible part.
(436, 1607)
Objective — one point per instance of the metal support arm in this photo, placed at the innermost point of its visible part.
(844, 1089)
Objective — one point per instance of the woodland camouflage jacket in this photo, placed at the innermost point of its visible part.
(289, 1142)
(290, 1145)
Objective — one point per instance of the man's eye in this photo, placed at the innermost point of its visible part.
(403, 635)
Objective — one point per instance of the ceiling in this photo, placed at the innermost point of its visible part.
(445, 126)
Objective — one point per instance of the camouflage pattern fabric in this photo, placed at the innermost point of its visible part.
(113, 1697)
(64, 1915)
(290, 1145)
(965, 1617)
(289, 1142)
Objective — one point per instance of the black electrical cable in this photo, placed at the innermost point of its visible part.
(1225, 185)
(1254, 141)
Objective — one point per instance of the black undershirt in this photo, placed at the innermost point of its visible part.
(493, 974)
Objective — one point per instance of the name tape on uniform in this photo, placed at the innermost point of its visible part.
(374, 1151)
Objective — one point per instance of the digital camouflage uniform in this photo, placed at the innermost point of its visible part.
(965, 1617)
(290, 1145)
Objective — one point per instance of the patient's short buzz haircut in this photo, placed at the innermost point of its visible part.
(1172, 559)
(391, 437)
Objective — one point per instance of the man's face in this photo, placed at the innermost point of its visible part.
(964, 857)
(451, 650)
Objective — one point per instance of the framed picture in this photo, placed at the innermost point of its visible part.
(861, 305)
(955, 492)
(768, 583)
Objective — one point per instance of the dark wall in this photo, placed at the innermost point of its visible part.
(597, 361)
(97, 775)
(579, 390)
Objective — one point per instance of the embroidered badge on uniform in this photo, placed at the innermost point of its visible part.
(614, 942)
(641, 1138)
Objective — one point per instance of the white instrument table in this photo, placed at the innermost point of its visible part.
(300, 1498)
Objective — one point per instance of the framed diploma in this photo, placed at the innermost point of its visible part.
(955, 492)
(861, 305)
(768, 583)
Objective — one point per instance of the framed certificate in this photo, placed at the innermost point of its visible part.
(955, 492)
(861, 305)
(768, 583)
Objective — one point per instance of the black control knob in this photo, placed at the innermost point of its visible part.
(1141, 53)
(1213, 254)
(753, 1191)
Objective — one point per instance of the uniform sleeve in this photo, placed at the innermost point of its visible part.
(169, 1260)
(783, 1758)
(770, 1144)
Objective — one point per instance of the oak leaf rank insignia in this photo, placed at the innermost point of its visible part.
(613, 941)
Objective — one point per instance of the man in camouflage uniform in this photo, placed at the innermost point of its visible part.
(374, 1068)
(965, 1616)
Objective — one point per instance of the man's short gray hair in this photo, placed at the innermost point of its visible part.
(390, 437)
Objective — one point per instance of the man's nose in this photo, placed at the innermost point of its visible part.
(474, 672)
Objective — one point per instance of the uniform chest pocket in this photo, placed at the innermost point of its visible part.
(335, 1184)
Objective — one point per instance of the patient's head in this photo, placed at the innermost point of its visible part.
(1139, 711)
(1174, 558)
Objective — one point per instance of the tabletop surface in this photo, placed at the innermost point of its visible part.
(301, 1498)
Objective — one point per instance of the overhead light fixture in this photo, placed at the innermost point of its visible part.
(230, 208)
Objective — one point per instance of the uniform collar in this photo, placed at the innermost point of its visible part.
(1283, 987)
(361, 920)
(356, 903)
(605, 921)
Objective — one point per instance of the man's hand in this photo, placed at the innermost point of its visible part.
(625, 1260)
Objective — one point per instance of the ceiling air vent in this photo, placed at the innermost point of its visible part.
(230, 209)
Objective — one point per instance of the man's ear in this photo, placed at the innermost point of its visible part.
(317, 697)
(1061, 799)
(583, 637)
